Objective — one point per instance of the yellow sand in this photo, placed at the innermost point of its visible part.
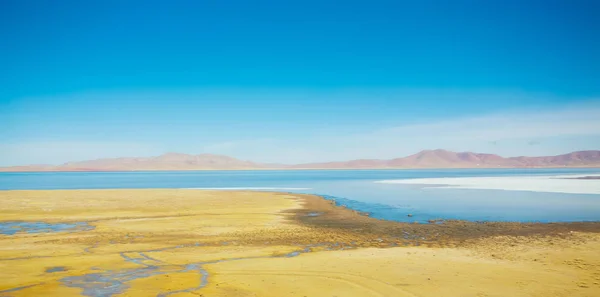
(413, 272)
(239, 241)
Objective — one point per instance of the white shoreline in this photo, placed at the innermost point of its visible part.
(553, 184)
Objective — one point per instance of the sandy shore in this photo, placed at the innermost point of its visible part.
(224, 243)
(574, 184)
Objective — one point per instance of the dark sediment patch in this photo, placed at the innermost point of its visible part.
(16, 289)
(369, 231)
(583, 177)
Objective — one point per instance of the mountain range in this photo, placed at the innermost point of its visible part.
(424, 159)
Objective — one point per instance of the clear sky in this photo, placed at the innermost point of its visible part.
(296, 81)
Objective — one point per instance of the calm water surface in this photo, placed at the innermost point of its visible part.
(355, 189)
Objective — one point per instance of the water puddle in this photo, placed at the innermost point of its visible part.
(14, 227)
(109, 283)
(56, 269)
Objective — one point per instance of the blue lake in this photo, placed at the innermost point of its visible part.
(356, 189)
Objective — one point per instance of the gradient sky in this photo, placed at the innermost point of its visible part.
(296, 81)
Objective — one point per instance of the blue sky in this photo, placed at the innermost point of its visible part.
(296, 81)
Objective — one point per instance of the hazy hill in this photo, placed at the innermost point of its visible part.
(169, 161)
(447, 159)
(424, 159)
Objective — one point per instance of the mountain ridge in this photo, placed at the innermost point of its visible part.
(438, 158)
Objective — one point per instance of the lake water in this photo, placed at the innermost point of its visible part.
(357, 189)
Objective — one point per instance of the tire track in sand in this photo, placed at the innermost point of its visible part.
(375, 286)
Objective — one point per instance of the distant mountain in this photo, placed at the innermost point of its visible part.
(169, 161)
(447, 159)
(582, 158)
(424, 159)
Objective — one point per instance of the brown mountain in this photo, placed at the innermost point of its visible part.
(169, 161)
(582, 158)
(424, 159)
(447, 159)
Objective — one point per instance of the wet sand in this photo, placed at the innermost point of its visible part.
(222, 243)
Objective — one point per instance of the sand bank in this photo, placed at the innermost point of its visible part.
(575, 184)
(222, 243)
